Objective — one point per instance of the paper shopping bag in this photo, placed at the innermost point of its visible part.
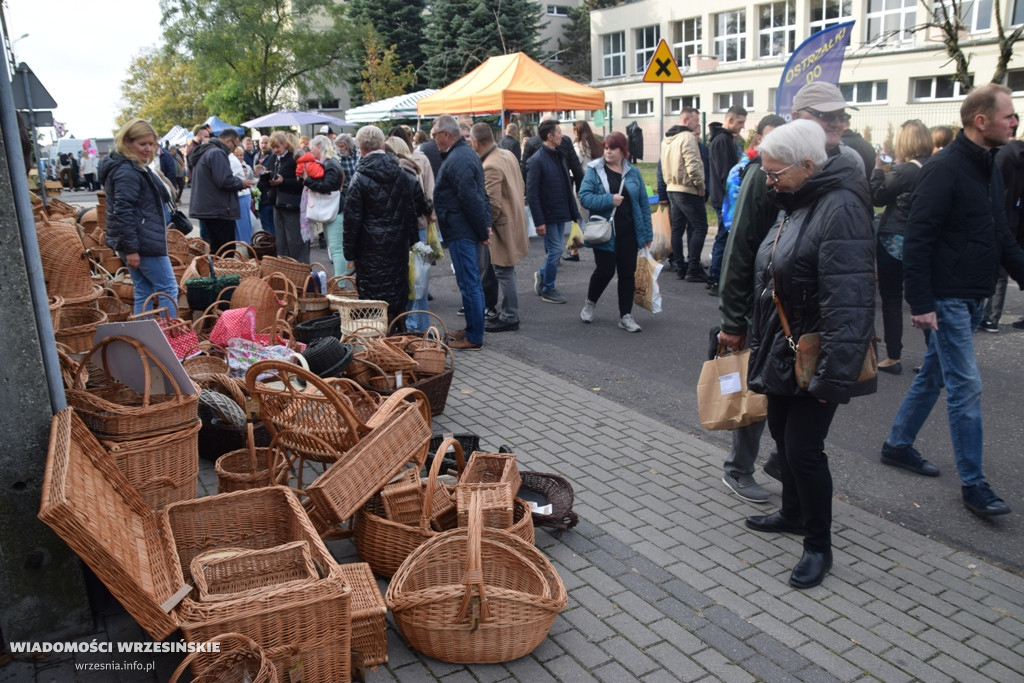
(646, 293)
(661, 248)
(723, 399)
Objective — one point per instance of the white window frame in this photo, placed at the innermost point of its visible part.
(611, 59)
(829, 17)
(957, 95)
(737, 39)
(645, 48)
(780, 13)
(558, 11)
(906, 15)
(724, 100)
(682, 49)
(976, 15)
(634, 109)
(674, 105)
(871, 87)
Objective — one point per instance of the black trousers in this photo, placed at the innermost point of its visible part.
(890, 289)
(799, 425)
(622, 259)
(222, 231)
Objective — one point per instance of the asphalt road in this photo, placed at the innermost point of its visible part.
(656, 372)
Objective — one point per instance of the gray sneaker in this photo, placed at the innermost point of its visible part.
(538, 284)
(746, 488)
(627, 323)
(552, 297)
(587, 314)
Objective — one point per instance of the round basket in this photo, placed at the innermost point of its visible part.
(343, 286)
(309, 331)
(549, 489)
(312, 304)
(240, 659)
(475, 595)
(117, 311)
(247, 468)
(77, 327)
(328, 357)
(264, 244)
(205, 365)
(123, 286)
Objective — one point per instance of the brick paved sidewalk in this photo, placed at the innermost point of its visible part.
(665, 583)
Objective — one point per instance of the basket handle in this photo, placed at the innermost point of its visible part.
(341, 283)
(244, 642)
(433, 316)
(395, 401)
(435, 469)
(144, 354)
(154, 298)
(474, 576)
(250, 441)
(233, 248)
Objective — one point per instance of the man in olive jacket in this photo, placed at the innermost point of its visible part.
(956, 237)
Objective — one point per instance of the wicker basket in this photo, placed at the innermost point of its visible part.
(343, 286)
(428, 353)
(116, 411)
(233, 266)
(77, 327)
(549, 489)
(165, 468)
(435, 388)
(360, 313)
(240, 659)
(312, 303)
(264, 244)
(256, 292)
(56, 302)
(247, 468)
(117, 311)
(495, 477)
(65, 260)
(295, 271)
(205, 365)
(369, 635)
(123, 286)
(232, 573)
(476, 595)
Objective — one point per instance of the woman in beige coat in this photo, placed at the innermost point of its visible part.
(509, 243)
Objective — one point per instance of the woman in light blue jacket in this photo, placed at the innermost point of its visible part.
(612, 184)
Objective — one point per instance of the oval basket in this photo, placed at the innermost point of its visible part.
(77, 327)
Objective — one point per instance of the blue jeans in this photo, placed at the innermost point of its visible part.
(243, 226)
(554, 235)
(467, 275)
(949, 361)
(155, 274)
(267, 215)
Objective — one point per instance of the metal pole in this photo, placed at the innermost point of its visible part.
(661, 98)
(23, 70)
(29, 241)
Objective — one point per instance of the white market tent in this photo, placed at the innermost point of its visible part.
(399, 107)
(176, 136)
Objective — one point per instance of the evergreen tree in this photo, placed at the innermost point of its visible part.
(575, 48)
(397, 22)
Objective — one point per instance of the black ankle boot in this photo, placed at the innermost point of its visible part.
(811, 569)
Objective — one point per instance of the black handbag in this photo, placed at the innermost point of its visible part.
(179, 221)
(288, 200)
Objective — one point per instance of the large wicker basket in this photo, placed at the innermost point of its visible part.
(475, 595)
(165, 468)
(240, 659)
(77, 327)
(295, 271)
(361, 313)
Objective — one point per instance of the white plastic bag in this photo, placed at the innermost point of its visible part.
(646, 293)
(531, 229)
(419, 270)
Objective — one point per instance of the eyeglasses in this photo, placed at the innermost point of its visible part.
(829, 116)
(774, 175)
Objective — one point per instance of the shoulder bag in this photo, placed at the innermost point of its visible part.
(179, 221)
(599, 229)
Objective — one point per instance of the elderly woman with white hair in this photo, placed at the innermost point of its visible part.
(815, 271)
(380, 223)
(323, 150)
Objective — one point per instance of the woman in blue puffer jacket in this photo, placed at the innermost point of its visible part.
(136, 222)
(612, 184)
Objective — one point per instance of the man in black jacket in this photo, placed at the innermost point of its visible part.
(215, 189)
(511, 142)
(724, 152)
(535, 142)
(956, 238)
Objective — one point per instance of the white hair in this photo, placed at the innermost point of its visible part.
(796, 141)
(326, 146)
(370, 139)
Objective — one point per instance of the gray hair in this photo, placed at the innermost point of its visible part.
(370, 139)
(347, 140)
(796, 141)
(447, 124)
(325, 145)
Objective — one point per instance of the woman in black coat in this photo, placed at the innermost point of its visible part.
(892, 190)
(284, 191)
(818, 264)
(380, 223)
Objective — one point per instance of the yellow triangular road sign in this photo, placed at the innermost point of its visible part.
(662, 68)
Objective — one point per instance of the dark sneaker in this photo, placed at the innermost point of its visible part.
(989, 326)
(696, 275)
(538, 284)
(490, 315)
(552, 297)
(981, 500)
(713, 289)
(500, 326)
(461, 311)
(746, 488)
(908, 458)
(1018, 324)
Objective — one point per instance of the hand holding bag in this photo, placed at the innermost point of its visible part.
(599, 229)
(723, 399)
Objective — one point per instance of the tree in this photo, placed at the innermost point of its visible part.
(262, 55)
(461, 34)
(399, 23)
(164, 87)
(381, 77)
(575, 48)
(951, 20)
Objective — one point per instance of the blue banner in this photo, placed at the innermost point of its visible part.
(819, 58)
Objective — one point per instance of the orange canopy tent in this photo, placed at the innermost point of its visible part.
(511, 83)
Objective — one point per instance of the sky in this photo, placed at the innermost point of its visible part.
(80, 51)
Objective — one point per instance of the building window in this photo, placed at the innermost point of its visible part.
(686, 40)
(558, 11)
(891, 21)
(826, 13)
(321, 105)
(976, 15)
(646, 43)
(1015, 81)
(1018, 12)
(634, 108)
(731, 36)
(865, 92)
(743, 98)
(568, 115)
(936, 88)
(613, 49)
(674, 105)
(776, 29)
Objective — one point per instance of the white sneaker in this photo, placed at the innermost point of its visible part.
(587, 314)
(627, 323)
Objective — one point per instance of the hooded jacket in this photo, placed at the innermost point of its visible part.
(681, 166)
(380, 227)
(135, 207)
(956, 234)
(824, 268)
(214, 187)
(724, 154)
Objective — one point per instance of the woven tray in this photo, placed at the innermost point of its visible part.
(230, 574)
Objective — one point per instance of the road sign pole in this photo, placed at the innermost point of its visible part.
(661, 98)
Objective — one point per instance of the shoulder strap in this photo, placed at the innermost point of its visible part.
(771, 264)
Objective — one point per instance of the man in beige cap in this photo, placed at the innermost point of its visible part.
(824, 104)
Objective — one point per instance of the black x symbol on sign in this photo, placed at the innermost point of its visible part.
(663, 67)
